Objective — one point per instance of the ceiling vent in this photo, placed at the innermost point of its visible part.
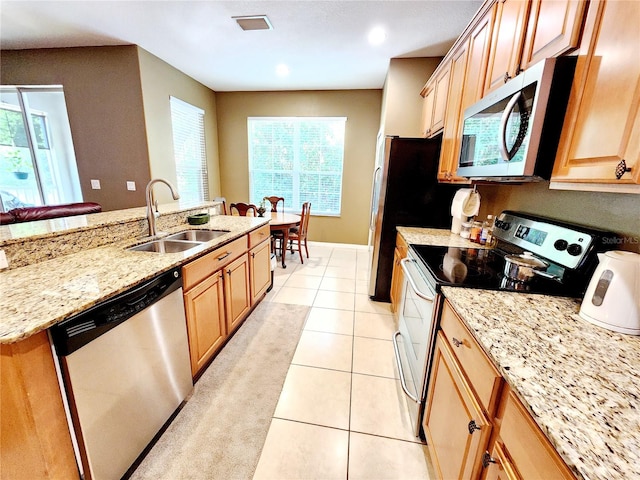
(254, 22)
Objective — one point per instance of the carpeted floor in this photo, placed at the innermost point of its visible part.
(220, 432)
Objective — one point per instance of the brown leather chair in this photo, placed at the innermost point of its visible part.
(243, 208)
(299, 234)
(274, 202)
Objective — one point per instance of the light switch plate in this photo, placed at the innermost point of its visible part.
(131, 186)
(95, 184)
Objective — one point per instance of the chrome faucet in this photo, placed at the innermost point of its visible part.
(151, 215)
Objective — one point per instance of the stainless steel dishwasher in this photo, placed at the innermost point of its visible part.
(125, 366)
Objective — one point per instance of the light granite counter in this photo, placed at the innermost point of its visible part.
(435, 236)
(580, 382)
(37, 296)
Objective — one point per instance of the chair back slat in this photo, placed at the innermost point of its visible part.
(304, 218)
(243, 208)
(274, 202)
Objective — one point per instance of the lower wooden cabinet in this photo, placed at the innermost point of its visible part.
(456, 428)
(260, 270)
(236, 292)
(397, 275)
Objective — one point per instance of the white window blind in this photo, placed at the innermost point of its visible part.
(189, 150)
(298, 158)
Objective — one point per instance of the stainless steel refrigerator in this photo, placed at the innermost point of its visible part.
(405, 193)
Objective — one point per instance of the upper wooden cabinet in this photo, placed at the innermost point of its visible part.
(507, 41)
(601, 136)
(467, 69)
(435, 93)
(428, 93)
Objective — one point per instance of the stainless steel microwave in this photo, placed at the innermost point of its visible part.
(512, 134)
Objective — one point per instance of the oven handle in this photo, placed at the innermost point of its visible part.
(407, 274)
(400, 371)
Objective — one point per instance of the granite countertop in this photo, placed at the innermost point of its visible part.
(435, 236)
(35, 297)
(580, 382)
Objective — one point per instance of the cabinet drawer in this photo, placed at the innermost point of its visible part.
(199, 269)
(483, 376)
(530, 451)
(259, 235)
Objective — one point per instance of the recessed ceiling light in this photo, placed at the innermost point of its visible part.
(282, 70)
(254, 22)
(377, 35)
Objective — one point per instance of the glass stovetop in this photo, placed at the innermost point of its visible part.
(480, 268)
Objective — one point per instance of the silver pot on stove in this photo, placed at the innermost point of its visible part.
(524, 267)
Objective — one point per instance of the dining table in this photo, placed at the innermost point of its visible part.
(282, 222)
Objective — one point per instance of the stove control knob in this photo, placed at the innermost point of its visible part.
(561, 245)
(574, 249)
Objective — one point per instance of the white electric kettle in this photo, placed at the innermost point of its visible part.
(612, 299)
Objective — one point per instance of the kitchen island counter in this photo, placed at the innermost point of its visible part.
(580, 382)
(37, 296)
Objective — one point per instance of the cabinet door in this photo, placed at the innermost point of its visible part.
(237, 291)
(204, 306)
(260, 270)
(440, 99)
(427, 110)
(554, 28)
(506, 45)
(498, 465)
(602, 123)
(456, 428)
(448, 157)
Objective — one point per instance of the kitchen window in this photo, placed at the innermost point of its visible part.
(189, 151)
(298, 158)
(37, 158)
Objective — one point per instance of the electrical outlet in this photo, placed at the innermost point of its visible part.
(3, 260)
(131, 186)
(95, 184)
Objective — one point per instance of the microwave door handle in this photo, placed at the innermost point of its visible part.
(407, 273)
(505, 153)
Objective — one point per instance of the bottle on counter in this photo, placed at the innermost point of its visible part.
(465, 229)
(476, 231)
(486, 236)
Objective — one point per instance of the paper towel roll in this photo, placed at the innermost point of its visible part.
(460, 200)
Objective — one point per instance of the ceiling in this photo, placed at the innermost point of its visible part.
(324, 43)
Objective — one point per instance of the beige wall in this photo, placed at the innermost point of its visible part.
(401, 101)
(362, 109)
(159, 82)
(617, 212)
(104, 101)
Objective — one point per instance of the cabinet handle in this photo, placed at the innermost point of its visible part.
(507, 77)
(473, 426)
(487, 459)
(456, 342)
(224, 256)
(621, 169)
(253, 255)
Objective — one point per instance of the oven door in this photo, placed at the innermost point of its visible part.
(413, 342)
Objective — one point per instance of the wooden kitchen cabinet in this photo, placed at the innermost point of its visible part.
(435, 94)
(236, 292)
(259, 262)
(601, 134)
(456, 428)
(519, 449)
(34, 434)
(397, 275)
(506, 44)
(467, 70)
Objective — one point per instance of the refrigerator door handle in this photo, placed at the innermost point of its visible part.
(374, 197)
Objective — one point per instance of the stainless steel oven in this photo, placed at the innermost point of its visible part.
(569, 251)
(413, 342)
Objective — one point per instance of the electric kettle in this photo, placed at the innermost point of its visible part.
(612, 299)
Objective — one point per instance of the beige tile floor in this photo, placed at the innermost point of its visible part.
(341, 413)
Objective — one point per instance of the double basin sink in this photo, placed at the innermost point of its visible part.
(179, 242)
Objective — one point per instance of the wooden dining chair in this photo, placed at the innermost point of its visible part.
(243, 208)
(274, 202)
(223, 206)
(298, 235)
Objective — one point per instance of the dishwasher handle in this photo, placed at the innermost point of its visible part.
(75, 332)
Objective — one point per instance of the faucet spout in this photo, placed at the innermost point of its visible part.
(151, 216)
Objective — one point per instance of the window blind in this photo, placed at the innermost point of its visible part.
(189, 151)
(298, 158)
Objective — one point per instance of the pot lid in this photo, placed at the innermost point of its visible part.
(526, 259)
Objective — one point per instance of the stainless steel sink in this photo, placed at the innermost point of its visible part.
(165, 246)
(197, 235)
